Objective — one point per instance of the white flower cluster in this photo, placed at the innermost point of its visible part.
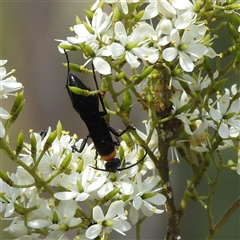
(112, 42)
(34, 214)
(179, 39)
(8, 84)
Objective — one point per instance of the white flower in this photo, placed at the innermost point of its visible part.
(186, 48)
(18, 229)
(145, 198)
(155, 7)
(8, 197)
(58, 218)
(137, 41)
(195, 84)
(115, 219)
(187, 16)
(5, 115)
(80, 186)
(227, 115)
(8, 83)
(99, 27)
(123, 5)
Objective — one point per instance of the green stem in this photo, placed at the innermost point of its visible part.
(215, 229)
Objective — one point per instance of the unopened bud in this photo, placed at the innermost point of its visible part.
(149, 96)
(5, 178)
(120, 76)
(50, 140)
(111, 194)
(183, 108)
(148, 195)
(17, 102)
(126, 103)
(89, 14)
(219, 84)
(78, 20)
(138, 17)
(33, 144)
(80, 165)
(19, 143)
(66, 161)
(146, 72)
(16, 113)
(59, 129)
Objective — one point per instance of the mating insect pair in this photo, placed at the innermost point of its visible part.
(100, 133)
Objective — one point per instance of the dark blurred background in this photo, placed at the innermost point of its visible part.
(28, 30)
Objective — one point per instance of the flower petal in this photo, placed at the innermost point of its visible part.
(101, 66)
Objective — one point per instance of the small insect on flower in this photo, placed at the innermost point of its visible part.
(87, 107)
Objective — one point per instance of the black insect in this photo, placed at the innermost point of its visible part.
(100, 133)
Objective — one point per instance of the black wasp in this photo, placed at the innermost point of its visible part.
(100, 133)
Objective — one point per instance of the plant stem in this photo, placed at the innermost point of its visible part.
(223, 219)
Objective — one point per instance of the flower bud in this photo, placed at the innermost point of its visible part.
(124, 198)
(33, 145)
(55, 218)
(80, 187)
(78, 20)
(112, 177)
(66, 161)
(127, 140)
(183, 108)
(68, 47)
(138, 17)
(219, 84)
(80, 165)
(19, 143)
(17, 102)
(121, 152)
(73, 67)
(50, 140)
(59, 129)
(6, 178)
(79, 91)
(148, 195)
(166, 26)
(111, 194)
(234, 33)
(126, 103)
(88, 28)
(177, 72)
(146, 72)
(16, 113)
(120, 76)
(207, 65)
(149, 96)
(116, 15)
(89, 15)
(88, 51)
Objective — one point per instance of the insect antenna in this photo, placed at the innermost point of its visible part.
(130, 166)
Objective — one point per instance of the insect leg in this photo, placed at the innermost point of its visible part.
(99, 94)
(114, 132)
(83, 144)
